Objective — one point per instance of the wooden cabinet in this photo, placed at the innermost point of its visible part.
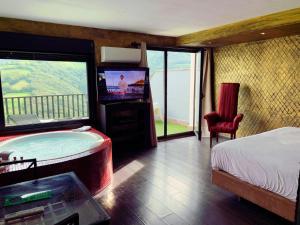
(126, 123)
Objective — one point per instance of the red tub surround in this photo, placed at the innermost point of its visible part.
(93, 166)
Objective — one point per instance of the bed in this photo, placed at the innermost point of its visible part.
(262, 168)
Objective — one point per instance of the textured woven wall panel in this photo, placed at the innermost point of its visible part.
(269, 74)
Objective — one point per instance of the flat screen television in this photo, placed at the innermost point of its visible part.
(122, 84)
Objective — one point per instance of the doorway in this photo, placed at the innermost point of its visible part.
(175, 83)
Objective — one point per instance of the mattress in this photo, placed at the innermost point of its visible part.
(270, 160)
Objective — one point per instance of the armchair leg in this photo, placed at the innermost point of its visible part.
(231, 136)
(210, 139)
(217, 137)
(234, 135)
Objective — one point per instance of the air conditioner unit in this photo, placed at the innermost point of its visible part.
(120, 55)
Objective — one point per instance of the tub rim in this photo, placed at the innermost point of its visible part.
(94, 148)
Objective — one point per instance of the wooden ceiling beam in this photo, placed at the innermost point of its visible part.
(259, 28)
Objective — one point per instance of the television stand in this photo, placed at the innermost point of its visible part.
(126, 123)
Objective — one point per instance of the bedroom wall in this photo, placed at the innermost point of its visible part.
(101, 37)
(269, 74)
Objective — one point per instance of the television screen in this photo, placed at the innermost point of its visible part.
(122, 84)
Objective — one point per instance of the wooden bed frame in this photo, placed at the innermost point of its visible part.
(266, 199)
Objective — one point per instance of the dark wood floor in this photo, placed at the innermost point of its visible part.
(171, 185)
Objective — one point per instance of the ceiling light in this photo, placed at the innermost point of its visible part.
(262, 33)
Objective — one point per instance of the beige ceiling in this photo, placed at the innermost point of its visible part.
(161, 17)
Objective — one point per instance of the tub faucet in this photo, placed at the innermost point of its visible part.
(5, 155)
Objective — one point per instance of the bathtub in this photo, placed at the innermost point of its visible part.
(88, 154)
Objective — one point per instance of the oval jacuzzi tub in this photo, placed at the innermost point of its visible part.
(87, 153)
(51, 145)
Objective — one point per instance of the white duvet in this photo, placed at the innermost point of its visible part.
(270, 160)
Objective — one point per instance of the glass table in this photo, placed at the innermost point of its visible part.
(60, 196)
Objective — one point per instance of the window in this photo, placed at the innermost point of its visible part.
(43, 91)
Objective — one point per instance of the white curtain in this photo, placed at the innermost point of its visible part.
(144, 63)
(206, 90)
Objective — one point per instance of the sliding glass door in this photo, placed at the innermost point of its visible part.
(180, 92)
(156, 73)
(173, 80)
(197, 84)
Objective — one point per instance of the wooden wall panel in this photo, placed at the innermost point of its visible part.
(100, 36)
(269, 73)
(274, 25)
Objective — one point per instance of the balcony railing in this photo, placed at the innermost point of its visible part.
(45, 107)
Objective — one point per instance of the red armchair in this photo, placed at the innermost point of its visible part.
(226, 120)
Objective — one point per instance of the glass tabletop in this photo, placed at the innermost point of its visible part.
(60, 196)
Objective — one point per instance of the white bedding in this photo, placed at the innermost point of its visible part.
(270, 160)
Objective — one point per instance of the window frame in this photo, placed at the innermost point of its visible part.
(165, 51)
(26, 55)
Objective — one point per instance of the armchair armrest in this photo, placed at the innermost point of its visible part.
(237, 119)
(211, 118)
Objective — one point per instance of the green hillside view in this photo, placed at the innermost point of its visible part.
(60, 85)
(31, 78)
(176, 60)
(36, 77)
